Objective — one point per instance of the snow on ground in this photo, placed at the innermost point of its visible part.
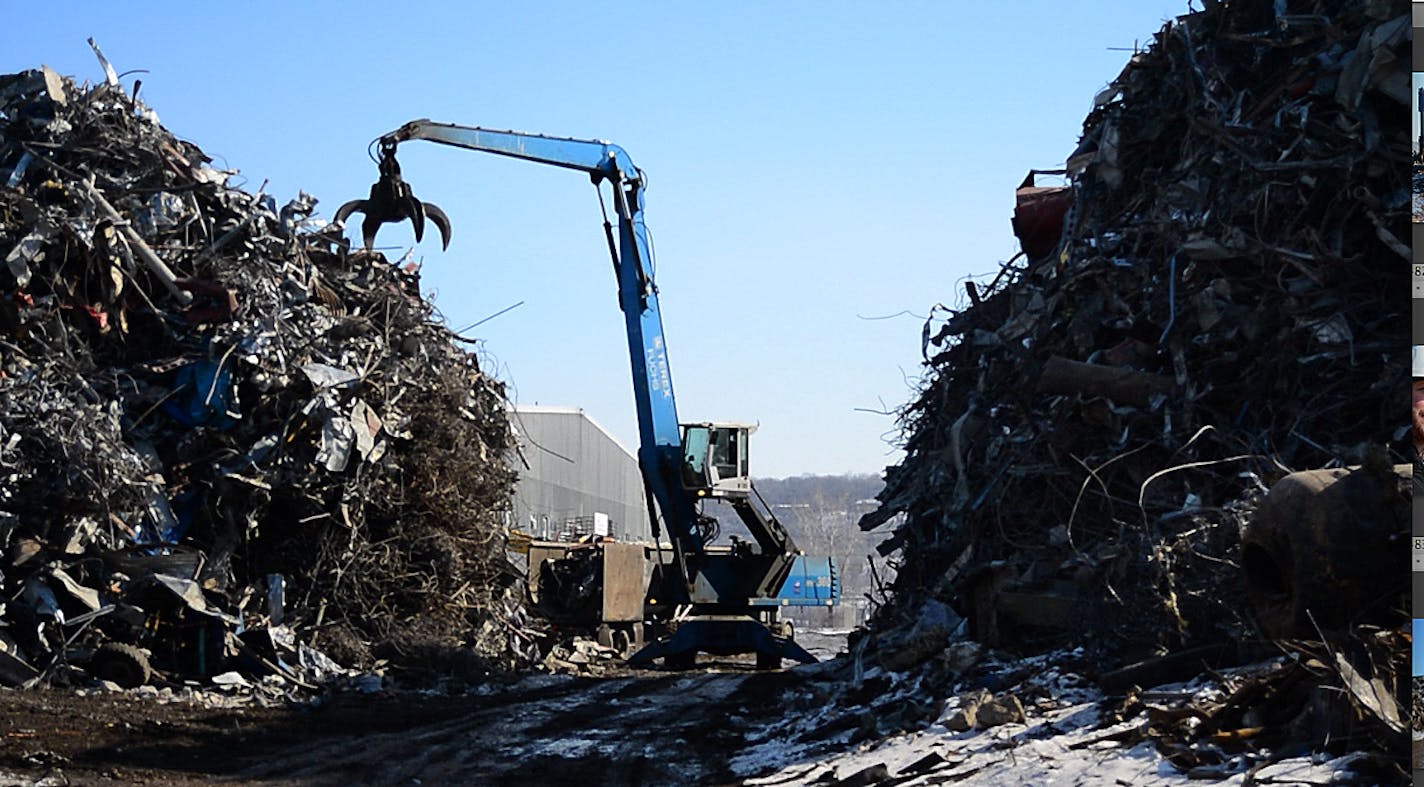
(1009, 755)
(1064, 741)
(823, 643)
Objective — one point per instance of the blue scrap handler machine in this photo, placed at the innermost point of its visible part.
(673, 598)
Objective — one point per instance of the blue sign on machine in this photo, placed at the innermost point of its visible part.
(812, 582)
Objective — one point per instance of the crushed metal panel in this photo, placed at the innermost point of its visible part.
(538, 553)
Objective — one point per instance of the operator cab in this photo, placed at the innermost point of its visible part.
(714, 459)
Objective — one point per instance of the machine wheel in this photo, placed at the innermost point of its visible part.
(623, 643)
(122, 664)
(787, 630)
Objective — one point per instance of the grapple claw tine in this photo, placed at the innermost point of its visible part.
(368, 231)
(416, 212)
(344, 212)
(441, 222)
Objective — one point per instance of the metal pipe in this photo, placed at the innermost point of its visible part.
(152, 260)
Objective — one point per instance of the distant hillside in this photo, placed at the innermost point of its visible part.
(807, 489)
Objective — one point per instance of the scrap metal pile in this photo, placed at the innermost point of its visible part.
(1221, 306)
(224, 437)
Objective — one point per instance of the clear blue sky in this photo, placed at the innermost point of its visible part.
(1418, 647)
(809, 164)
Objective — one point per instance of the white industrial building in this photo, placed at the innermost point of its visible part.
(575, 478)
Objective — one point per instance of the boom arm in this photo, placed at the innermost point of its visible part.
(660, 443)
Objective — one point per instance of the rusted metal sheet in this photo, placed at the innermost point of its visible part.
(1038, 215)
(625, 582)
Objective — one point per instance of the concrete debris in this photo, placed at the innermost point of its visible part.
(996, 711)
(981, 709)
(1220, 307)
(226, 439)
(576, 655)
(962, 718)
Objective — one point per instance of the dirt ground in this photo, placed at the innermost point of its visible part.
(724, 723)
(661, 729)
(632, 728)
